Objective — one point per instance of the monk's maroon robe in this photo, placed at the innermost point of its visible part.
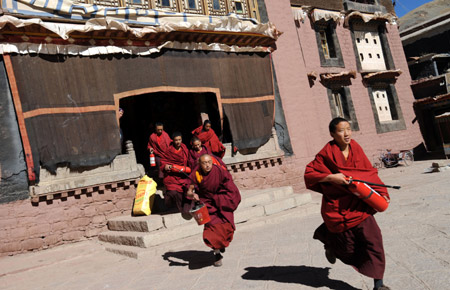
(175, 180)
(159, 144)
(345, 231)
(222, 197)
(194, 155)
(210, 140)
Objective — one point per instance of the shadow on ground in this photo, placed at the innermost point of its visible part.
(192, 259)
(309, 276)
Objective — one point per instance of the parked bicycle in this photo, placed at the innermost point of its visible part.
(388, 159)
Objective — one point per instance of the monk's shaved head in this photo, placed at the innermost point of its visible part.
(205, 162)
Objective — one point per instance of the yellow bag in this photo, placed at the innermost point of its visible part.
(145, 196)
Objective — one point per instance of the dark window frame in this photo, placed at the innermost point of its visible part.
(329, 27)
(351, 109)
(381, 28)
(394, 104)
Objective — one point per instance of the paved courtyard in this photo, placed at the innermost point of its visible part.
(275, 252)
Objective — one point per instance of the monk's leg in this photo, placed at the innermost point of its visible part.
(170, 199)
(218, 237)
(180, 202)
(337, 245)
(371, 249)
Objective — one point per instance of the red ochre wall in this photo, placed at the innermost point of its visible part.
(26, 226)
(307, 109)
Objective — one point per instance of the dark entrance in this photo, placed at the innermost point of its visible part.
(177, 111)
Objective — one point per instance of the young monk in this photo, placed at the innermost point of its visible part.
(158, 144)
(215, 188)
(176, 154)
(349, 232)
(209, 138)
(196, 151)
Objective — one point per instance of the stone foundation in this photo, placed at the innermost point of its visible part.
(28, 226)
(287, 171)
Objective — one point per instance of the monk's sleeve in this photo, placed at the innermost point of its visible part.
(372, 176)
(314, 172)
(228, 196)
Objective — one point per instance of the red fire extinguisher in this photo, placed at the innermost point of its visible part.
(181, 169)
(362, 190)
(152, 160)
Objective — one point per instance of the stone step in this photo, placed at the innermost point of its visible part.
(153, 222)
(143, 253)
(189, 228)
(147, 240)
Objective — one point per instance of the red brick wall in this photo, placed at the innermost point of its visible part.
(288, 173)
(307, 108)
(25, 226)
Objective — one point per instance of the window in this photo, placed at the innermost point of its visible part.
(386, 108)
(192, 4)
(384, 111)
(142, 4)
(165, 3)
(238, 7)
(216, 4)
(217, 7)
(341, 105)
(328, 44)
(373, 53)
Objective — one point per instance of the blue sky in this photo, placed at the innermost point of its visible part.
(404, 6)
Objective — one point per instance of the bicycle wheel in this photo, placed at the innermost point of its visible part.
(390, 162)
(408, 159)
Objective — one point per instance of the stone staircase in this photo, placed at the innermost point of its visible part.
(134, 236)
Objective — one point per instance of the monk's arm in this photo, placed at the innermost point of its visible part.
(337, 178)
(191, 194)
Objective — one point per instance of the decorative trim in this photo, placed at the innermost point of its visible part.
(125, 94)
(248, 100)
(68, 110)
(242, 166)
(20, 118)
(388, 75)
(342, 76)
(100, 188)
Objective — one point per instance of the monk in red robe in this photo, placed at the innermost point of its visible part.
(215, 188)
(174, 181)
(209, 138)
(349, 232)
(158, 144)
(197, 150)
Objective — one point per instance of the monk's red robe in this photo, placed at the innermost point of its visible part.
(159, 144)
(218, 191)
(341, 210)
(194, 156)
(175, 180)
(210, 140)
(349, 230)
(222, 197)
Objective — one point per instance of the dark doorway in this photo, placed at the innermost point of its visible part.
(177, 111)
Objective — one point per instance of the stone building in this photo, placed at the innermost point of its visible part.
(68, 66)
(425, 34)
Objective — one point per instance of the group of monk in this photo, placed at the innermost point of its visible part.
(349, 232)
(198, 175)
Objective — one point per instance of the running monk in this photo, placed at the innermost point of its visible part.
(349, 232)
(215, 188)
